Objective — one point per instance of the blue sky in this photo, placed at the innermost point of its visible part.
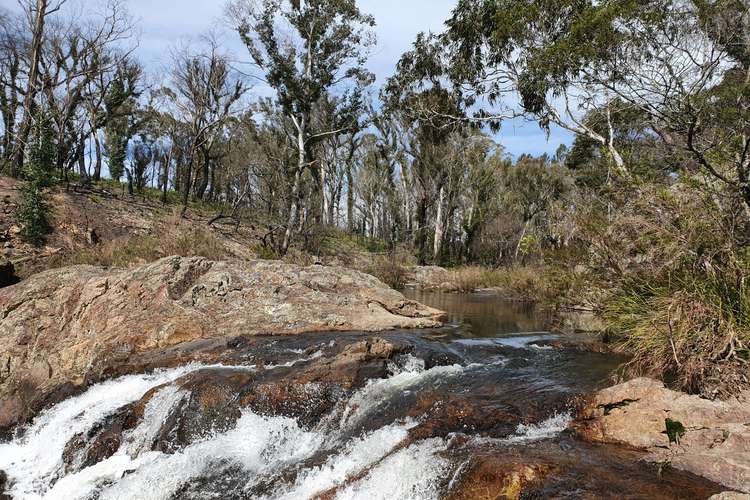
(165, 23)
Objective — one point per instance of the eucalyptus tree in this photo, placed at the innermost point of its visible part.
(205, 94)
(11, 74)
(304, 49)
(683, 64)
(35, 13)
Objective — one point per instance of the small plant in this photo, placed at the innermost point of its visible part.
(389, 270)
(675, 430)
(32, 215)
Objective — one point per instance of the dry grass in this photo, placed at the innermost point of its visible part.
(139, 249)
(390, 269)
(542, 284)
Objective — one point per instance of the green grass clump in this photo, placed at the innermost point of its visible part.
(693, 329)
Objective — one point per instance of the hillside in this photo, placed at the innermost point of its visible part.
(103, 225)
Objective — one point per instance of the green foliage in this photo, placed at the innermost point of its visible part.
(119, 104)
(675, 430)
(40, 165)
(679, 301)
(265, 252)
(33, 214)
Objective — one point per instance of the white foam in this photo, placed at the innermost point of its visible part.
(356, 456)
(546, 429)
(377, 392)
(260, 446)
(412, 473)
(527, 433)
(34, 461)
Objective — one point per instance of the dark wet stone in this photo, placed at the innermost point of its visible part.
(7, 273)
(3, 486)
(100, 442)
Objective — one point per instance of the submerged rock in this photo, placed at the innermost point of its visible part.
(65, 328)
(211, 400)
(707, 438)
(493, 477)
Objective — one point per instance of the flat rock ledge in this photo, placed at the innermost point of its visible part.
(708, 438)
(67, 327)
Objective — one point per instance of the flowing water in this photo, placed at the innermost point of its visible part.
(467, 403)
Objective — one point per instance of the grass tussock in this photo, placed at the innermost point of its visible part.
(679, 300)
(694, 330)
(139, 249)
(390, 269)
(548, 285)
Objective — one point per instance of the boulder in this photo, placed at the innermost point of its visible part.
(68, 327)
(431, 278)
(707, 438)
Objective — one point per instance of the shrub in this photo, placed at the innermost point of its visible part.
(551, 286)
(679, 300)
(33, 214)
(694, 329)
(390, 270)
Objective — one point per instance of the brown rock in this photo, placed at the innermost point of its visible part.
(430, 278)
(78, 324)
(716, 439)
(492, 477)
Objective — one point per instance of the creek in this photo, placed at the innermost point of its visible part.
(481, 405)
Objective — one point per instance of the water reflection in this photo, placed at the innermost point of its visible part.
(484, 315)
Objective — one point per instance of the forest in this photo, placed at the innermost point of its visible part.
(644, 218)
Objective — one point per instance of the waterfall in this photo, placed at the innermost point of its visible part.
(259, 447)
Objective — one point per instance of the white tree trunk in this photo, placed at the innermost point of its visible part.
(296, 186)
(439, 226)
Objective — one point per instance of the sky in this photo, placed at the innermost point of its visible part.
(166, 23)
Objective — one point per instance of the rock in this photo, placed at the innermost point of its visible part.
(578, 320)
(730, 496)
(212, 399)
(431, 278)
(7, 273)
(4, 486)
(492, 477)
(80, 324)
(92, 238)
(708, 438)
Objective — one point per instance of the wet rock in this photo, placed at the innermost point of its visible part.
(209, 406)
(83, 323)
(492, 477)
(211, 400)
(4, 486)
(707, 438)
(101, 442)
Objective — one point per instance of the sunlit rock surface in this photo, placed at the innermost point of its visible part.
(64, 328)
(712, 438)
